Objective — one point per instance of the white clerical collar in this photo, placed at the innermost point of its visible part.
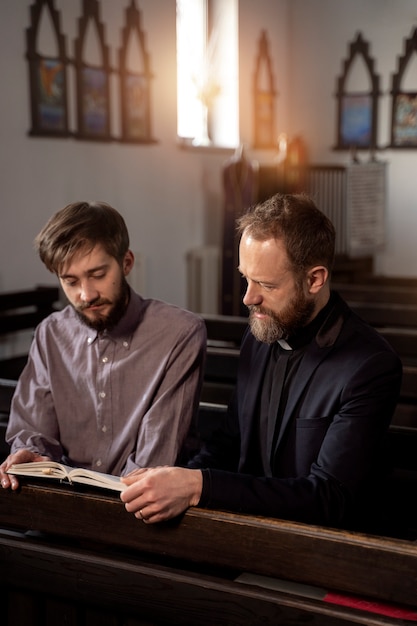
(284, 345)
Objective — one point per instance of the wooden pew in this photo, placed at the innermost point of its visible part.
(223, 354)
(224, 335)
(385, 304)
(19, 311)
(7, 388)
(383, 291)
(23, 310)
(390, 308)
(88, 561)
(385, 314)
(221, 372)
(226, 330)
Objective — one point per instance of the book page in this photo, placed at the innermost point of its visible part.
(59, 471)
(97, 479)
(47, 469)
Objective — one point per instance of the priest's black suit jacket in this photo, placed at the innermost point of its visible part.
(328, 460)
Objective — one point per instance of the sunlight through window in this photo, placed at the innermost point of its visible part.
(207, 72)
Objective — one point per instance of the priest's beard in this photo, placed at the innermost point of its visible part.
(283, 324)
(107, 322)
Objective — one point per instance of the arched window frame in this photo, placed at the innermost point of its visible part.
(404, 103)
(92, 82)
(264, 98)
(357, 112)
(47, 76)
(135, 87)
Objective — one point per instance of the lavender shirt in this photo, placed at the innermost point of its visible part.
(113, 401)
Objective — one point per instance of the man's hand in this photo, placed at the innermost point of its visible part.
(160, 493)
(21, 456)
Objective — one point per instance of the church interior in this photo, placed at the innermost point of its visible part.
(285, 96)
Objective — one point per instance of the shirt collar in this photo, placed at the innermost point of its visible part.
(284, 345)
(127, 325)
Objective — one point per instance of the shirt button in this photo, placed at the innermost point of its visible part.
(104, 429)
(102, 394)
(98, 463)
(105, 359)
(125, 344)
(90, 340)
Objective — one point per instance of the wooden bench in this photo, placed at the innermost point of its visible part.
(396, 320)
(224, 336)
(391, 308)
(221, 372)
(225, 330)
(89, 562)
(223, 342)
(383, 314)
(7, 389)
(383, 291)
(21, 311)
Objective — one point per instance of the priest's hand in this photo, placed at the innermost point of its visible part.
(160, 493)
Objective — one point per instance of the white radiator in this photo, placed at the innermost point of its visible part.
(354, 198)
(203, 279)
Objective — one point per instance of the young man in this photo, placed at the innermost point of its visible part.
(315, 393)
(113, 380)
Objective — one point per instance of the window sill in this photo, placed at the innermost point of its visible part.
(187, 144)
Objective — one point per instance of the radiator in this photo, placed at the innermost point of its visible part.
(203, 279)
(327, 186)
(354, 198)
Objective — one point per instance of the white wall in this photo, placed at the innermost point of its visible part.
(157, 187)
(321, 31)
(172, 198)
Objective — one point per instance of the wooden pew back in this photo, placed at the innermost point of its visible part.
(20, 311)
(223, 355)
(7, 389)
(212, 548)
(25, 309)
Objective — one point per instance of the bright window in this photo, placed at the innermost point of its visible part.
(207, 72)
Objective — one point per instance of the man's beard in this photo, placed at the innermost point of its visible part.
(281, 325)
(109, 321)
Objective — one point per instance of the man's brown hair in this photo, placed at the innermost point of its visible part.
(308, 234)
(79, 226)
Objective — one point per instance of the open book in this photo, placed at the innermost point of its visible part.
(58, 471)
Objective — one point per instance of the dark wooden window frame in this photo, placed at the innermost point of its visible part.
(135, 87)
(404, 103)
(367, 101)
(92, 82)
(47, 76)
(264, 99)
